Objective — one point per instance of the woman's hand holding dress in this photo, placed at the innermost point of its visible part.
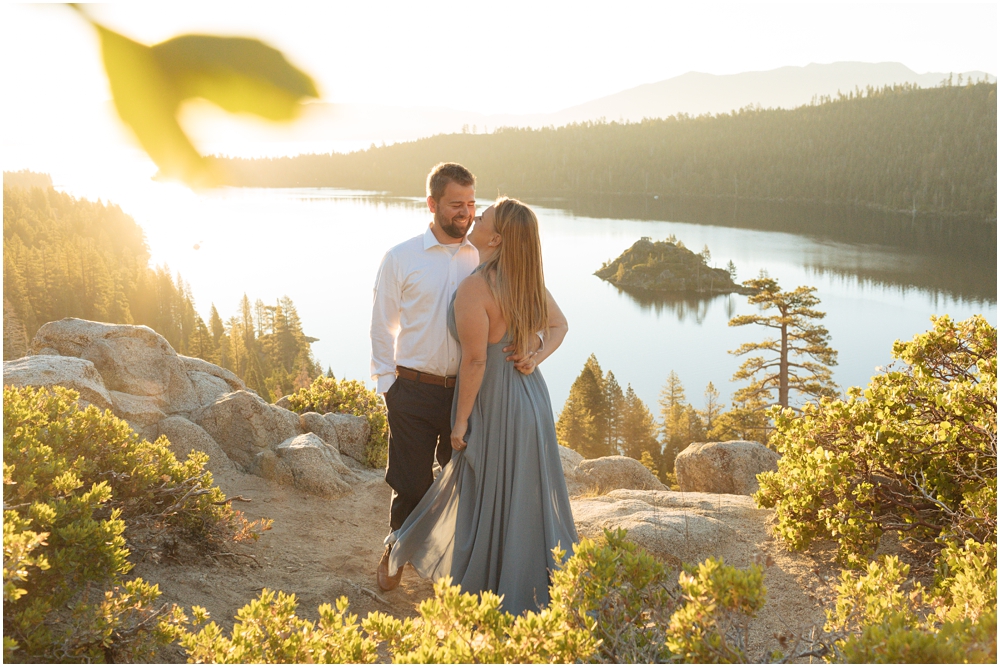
(458, 432)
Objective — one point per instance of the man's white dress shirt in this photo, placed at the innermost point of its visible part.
(413, 290)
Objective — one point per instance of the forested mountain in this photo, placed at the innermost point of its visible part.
(26, 179)
(901, 148)
(68, 257)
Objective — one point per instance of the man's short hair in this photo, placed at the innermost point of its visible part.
(444, 173)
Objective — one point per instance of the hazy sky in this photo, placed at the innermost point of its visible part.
(494, 57)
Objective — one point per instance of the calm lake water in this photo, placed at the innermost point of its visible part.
(322, 247)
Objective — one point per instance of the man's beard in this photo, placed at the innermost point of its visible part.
(449, 227)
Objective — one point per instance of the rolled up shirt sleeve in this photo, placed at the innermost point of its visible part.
(385, 324)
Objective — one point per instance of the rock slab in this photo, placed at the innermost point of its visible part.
(724, 467)
(307, 463)
(244, 424)
(47, 371)
(676, 526)
(616, 472)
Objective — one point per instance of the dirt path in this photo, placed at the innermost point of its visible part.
(321, 549)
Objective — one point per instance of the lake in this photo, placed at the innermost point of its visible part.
(322, 247)
(879, 279)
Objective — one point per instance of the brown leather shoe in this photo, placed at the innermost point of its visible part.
(385, 581)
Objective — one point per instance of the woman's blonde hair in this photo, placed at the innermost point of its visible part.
(514, 273)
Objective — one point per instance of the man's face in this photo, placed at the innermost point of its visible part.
(453, 213)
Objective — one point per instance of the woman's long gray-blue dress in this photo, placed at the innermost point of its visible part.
(493, 515)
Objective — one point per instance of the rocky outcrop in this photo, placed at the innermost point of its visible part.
(137, 361)
(307, 463)
(197, 405)
(666, 266)
(352, 434)
(615, 472)
(244, 424)
(723, 467)
(48, 371)
(186, 436)
(676, 526)
(571, 461)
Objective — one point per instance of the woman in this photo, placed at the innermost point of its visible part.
(496, 511)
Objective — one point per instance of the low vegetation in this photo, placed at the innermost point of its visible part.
(328, 394)
(82, 493)
(912, 458)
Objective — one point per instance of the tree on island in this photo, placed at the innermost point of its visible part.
(801, 354)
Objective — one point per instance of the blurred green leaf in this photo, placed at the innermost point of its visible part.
(148, 85)
(147, 102)
(238, 74)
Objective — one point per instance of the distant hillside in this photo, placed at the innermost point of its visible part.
(326, 126)
(931, 151)
(698, 93)
(69, 257)
(26, 179)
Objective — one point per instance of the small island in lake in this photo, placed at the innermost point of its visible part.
(667, 266)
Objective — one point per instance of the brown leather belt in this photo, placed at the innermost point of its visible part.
(447, 381)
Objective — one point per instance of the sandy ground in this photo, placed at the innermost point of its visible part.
(321, 549)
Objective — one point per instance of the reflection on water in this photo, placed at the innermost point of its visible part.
(322, 248)
(685, 307)
(956, 256)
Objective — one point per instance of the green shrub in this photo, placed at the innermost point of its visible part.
(456, 627)
(714, 623)
(267, 630)
(328, 394)
(77, 484)
(876, 620)
(915, 452)
(611, 602)
(621, 595)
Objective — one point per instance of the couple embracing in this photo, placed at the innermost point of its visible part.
(460, 321)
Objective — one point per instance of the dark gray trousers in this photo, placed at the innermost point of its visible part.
(419, 425)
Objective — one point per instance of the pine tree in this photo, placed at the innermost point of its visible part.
(672, 401)
(583, 422)
(801, 352)
(638, 428)
(575, 425)
(615, 401)
(713, 408)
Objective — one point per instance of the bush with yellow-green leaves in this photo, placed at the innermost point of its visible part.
(328, 394)
(79, 486)
(914, 454)
(611, 602)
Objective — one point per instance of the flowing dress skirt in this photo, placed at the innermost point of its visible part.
(495, 512)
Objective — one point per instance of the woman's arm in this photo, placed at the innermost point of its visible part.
(473, 325)
(556, 331)
(553, 337)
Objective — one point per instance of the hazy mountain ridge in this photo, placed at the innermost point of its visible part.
(698, 93)
(327, 127)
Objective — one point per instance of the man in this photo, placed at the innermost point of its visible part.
(414, 357)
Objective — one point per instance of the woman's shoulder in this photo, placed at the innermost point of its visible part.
(475, 283)
(474, 289)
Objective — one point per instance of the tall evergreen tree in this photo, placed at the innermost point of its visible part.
(583, 422)
(713, 408)
(615, 401)
(800, 355)
(638, 428)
